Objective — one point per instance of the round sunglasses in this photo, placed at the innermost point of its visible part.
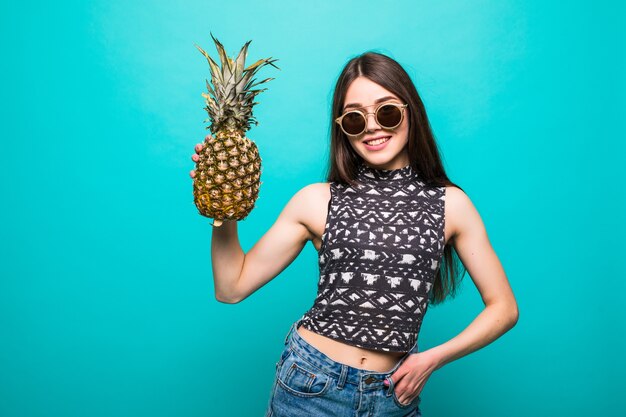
(388, 116)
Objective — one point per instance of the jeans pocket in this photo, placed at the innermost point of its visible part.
(413, 402)
(296, 376)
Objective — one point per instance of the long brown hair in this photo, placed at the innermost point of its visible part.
(422, 147)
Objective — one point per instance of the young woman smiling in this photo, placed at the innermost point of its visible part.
(385, 226)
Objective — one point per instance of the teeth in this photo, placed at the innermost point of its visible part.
(377, 141)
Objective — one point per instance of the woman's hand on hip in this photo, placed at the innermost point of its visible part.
(412, 374)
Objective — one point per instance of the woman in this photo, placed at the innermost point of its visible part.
(383, 225)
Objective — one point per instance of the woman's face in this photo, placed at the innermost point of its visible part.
(392, 154)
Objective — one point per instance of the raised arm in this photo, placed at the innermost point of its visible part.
(237, 275)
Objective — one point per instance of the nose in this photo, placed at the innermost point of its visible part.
(371, 122)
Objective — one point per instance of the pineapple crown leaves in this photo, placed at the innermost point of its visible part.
(230, 100)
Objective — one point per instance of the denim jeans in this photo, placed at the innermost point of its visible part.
(309, 383)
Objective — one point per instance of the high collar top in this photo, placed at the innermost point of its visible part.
(377, 177)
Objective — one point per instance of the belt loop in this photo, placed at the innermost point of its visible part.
(343, 376)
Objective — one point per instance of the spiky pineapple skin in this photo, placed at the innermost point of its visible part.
(228, 176)
(228, 171)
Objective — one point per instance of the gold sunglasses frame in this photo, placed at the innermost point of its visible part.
(357, 110)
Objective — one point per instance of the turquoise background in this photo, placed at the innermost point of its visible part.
(106, 293)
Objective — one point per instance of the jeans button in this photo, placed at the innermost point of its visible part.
(370, 379)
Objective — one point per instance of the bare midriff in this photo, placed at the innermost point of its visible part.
(354, 356)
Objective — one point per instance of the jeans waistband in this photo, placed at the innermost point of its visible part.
(364, 379)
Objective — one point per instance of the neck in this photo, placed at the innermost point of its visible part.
(369, 174)
(389, 166)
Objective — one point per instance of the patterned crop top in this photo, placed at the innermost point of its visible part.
(381, 248)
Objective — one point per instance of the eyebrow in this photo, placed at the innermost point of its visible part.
(380, 100)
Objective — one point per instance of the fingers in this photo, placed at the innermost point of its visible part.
(402, 393)
(199, 146)
(399, 374)
(407, 396)
(195, 157)
(404, 399)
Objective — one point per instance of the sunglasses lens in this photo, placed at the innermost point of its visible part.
(389, 116)
(353, 123)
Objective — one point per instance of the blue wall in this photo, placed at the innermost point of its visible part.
(106, 294)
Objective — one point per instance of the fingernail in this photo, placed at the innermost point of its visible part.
(386, 382)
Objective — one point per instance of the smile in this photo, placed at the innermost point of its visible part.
(378, 141)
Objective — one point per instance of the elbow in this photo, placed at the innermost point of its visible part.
(513, 316)
(228, 294)
(227, 300)
(507, 314)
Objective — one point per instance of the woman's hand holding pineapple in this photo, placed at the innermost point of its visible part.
(195, 157)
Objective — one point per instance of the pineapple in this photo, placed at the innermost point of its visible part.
(228, 170)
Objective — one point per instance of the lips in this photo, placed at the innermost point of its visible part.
(377, 137)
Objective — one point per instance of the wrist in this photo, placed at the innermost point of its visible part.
(221, 222)
(437, 357)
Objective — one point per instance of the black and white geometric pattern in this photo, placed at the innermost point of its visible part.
(381, 248)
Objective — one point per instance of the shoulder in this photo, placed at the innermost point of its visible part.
(455, 196)
(310, 200)
(309, 206)
(311, 193)
(460, 212)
